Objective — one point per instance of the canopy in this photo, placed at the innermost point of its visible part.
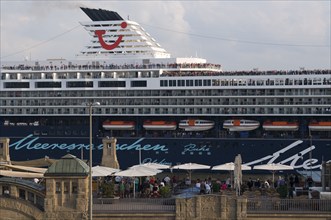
(138, 171)
(273, 167)
(21, 174)
(153, 165)
(230, 166)
(42, 162)
(26, 168)
(103, 171)
(191, 166)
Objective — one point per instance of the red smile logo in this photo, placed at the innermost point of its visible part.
(106, 46)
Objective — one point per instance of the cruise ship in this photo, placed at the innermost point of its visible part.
(159, 108)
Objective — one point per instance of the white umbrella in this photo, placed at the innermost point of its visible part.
(273, 167)
(137, 172)
(153, 165)
(103, 171)
(191, 166)
(230, 166)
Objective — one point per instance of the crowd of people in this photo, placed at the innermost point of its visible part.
(151, 187)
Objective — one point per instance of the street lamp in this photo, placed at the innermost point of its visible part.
(311, 153)
(90, 106)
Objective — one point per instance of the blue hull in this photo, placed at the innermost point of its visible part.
(173, 151)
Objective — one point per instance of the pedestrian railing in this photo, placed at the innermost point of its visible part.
(134, 205)
(258, 205)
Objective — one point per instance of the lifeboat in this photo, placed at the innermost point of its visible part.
(160, 125)
(241, 125)
(118, 125)
(196, 125)
(280, 126)
(320, 126)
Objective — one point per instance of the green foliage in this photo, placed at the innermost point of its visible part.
(165, 192)
(283, 191)
(108, 190)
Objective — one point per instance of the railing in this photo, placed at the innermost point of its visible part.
(258, 205)
(134, 205)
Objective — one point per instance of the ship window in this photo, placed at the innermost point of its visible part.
(189, 82)
(138, 83)
(181, 82)
(206, 82)
(112, 84)
(198, 82)
(79, 84)
(16, 85)
(48, 85)
(172, 83)
(163, 83)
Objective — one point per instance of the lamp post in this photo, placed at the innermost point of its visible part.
(90, 106)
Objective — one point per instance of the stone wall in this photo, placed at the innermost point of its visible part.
(220, 207)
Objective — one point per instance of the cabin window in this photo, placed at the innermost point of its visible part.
(112, 84)
(16, 85)
(206, 82)
(172, 83)
(140, 83)
(181, 82)
(189, 82)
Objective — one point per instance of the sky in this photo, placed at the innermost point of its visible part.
(239, 35)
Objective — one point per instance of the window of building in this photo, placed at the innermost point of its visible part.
(74, 187)
(21, 193)
(58, 187)
(66, 187)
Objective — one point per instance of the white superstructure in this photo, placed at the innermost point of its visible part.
(138, 77)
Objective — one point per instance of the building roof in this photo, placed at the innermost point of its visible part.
(68, 165)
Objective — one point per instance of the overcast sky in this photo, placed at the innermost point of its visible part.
(239, 35)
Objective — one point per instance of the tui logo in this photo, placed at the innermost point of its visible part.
(106, 46)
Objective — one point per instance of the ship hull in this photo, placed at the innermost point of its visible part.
(172, 151)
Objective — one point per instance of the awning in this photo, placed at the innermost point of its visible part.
(21, 174)
(25, 168)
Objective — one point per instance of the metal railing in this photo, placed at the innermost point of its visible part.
(134, 205)
(258, 205)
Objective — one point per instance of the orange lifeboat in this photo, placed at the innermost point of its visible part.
(160, 125)
(280, 126)
(320, 126)
(118, 125)
(241, 125)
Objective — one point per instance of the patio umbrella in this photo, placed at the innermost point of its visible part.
(230, 167)
(103, 171)
(191, 166)
(273, 167)
(137, 172)
(153, 165)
